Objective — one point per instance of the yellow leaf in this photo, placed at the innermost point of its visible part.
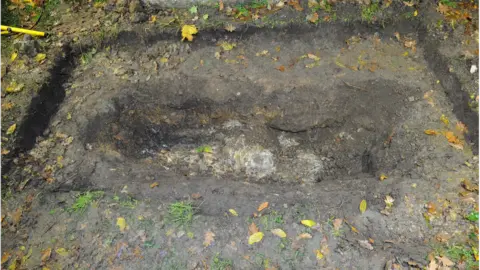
(11, 129)
(383, 177)
(305, 236)
(188, 31)
(40, 57)
(255, 238)
(227, 46)
(5, 257)
(62, 252)
(13, 87)
(444, 119)
(69, 115)
(308, 223)
(431, 132)
(153, 19)
(354, 229)
(13, 57)
(233, 212)
(363, 206)
(163, 60)
(318, 254)
(262, 206)
(152, 185)
(121, 223)
(415, 13)
(209, 238)
(279, 232)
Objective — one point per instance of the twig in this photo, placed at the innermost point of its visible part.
(353, 86)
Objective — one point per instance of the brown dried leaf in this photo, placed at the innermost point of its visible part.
(5, 257)
(313, 18)
(252, 228)
(443, 237)
(152, 185)
(46, 253)
(431, 208)
(209, 238)
(295, 4)
(196, 196)
(445, 261)
(461, 127)
(17, 215)
(431, 132)
(262, 206)
(466, 184)
(220, 5)
(304, 236)
(281, 68)
(337, 223)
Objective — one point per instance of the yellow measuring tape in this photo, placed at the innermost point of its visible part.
(9, 29)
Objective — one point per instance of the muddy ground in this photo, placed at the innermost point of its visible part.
(312, 119)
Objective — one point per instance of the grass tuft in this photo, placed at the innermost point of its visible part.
(180, 213)
(84, 200)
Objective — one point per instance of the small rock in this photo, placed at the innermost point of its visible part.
(285, 205)
(88, 146)
(411, 99)
(365, 244)
(473, 69)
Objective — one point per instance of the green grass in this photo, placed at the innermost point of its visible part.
(271, 220)
(449, 3)
(368, 12)
(84, 200)
(180, 213)
(220, 263)
(462, 253)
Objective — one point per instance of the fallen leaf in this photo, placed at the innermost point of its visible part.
(451, 138)
(295, 4)
(432, 265)
(305, 236)
(354, 229)
(431, 208)
(11, 129)
(220, 5)
(337, 223)
(363, 206)
(230, 28)
(415, 13)
(383, 177)
(153, 19)
(5, 257)
(313, 57)
(410, 43)
(308, 223)
(409, 4)
(461, 127)
(5, 152)
(443, 237)
(62, 252)
(233, 212)
(209, 238)
(17, 215)
(227, 46)
(205, 17)
(397, 35)
(40, 57)
(252, 229)
(445, 261)
(164, 60)
(14, 87)
(152, 185)
(13, 57)
(318, 254)
(196, 196)
(466, 184)
(365, 244)
(281, 68)
(279, 232)
(389, 201)
(431, 132)
(46, 253)
(443, 9)
(255, 238)
(188, 31)
(262, 206)
(193, 10)
(121, 223)
(313, 18)
(444, 119)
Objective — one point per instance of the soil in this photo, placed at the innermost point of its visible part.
(306, 117)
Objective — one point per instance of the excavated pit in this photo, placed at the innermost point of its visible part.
(294, 105)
